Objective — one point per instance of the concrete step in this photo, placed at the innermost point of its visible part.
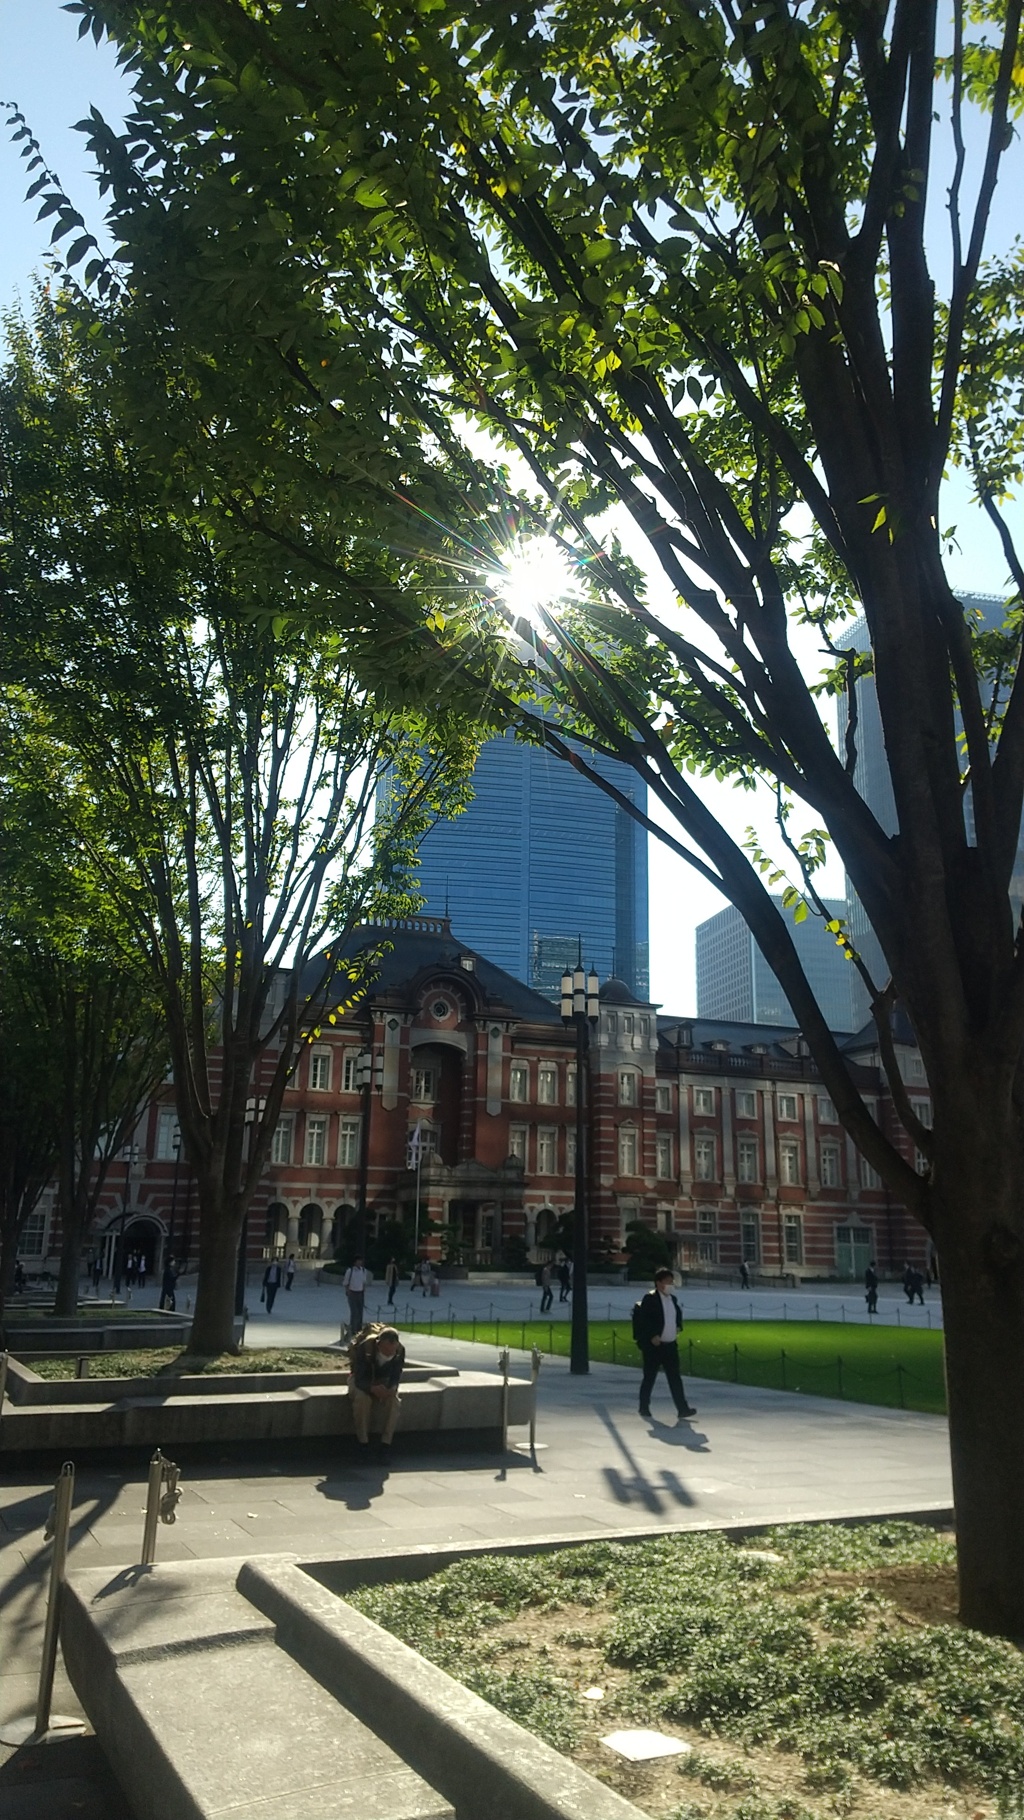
(203, 1716)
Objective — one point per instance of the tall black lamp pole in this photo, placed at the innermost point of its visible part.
(253, 1113)
(369, 1074)
(580, 1007)
(131, 1155)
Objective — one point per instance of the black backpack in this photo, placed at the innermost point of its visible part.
(638, 1323)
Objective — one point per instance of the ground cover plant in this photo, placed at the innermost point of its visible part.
(900, 1368)
(816, 1671)
(172, 1362)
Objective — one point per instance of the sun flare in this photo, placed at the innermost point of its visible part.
(534, 577)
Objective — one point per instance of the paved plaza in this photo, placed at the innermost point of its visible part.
(749, 1456)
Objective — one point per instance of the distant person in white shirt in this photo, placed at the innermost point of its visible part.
(657, 1323)
(355, 1282)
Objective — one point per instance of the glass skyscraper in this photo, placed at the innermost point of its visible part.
(871, 776)
(736, 984)
(541, 858)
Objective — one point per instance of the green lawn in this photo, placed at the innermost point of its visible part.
(898, 1367)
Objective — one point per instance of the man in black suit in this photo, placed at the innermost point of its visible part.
(658, 1323)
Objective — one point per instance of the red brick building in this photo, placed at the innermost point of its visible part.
(719, 1135)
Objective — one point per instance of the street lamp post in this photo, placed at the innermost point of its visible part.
(131, 1155)
(176, 1147)
(580, 1007)
(369, 1074)
(253, 1112)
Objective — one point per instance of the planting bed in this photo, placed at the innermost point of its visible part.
(173, 1362)
(816, 1672)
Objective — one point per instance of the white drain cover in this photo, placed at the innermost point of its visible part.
(642, 1747)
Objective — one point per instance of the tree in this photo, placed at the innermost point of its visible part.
(232, 757)
(678, 263)
(84, 993)
(28, 1138)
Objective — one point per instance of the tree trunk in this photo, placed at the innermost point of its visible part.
(66, 1299)
(220, 1226)
(979, 1231)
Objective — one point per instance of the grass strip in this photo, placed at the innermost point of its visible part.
(897, 1368)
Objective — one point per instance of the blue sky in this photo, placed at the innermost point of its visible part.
(54, 78)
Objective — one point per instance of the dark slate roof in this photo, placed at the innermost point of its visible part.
(418, 946)
(700, 1032)
(867, 1036)
(616, 992)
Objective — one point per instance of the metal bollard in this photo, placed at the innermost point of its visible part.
(503, 1361)
(535, 1357)
(58, 1523)
(161, 1503)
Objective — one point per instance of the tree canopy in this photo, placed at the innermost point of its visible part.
(678, 262)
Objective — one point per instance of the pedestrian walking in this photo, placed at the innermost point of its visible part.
(289, 1270)
(547, 1293)
(657, 1323)
(916, 1287)
(908, 1282)
(271, 1284)
(97, 1272)
(871, 1288)
(744, 1274)
(141, 1268)
(355, 1283)
(392, 1277)
(168, 1285)
(564, 1280)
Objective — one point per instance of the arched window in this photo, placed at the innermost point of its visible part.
(310, 1226)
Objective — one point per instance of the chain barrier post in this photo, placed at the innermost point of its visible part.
(535, 1356)
(58, 1524)
(782, 1357)
(162, 1498)
(839, 1374)
(503, 1361)
(4, 1356)
(899, 1375)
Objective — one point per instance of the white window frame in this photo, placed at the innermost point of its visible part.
(350, 1071)
(629, 1087)
(662, 1097)
(518, 1142)
(750, 1236)
(570, 1152)
(790, 1163)
(793, 1238)
(519, 1079)
(746, 1103)
(547, 1150)
(663, 1156)
(826, 1111)
(166, 1126)
(628, 1146)
(320, 1066)
(831, 1165)
(34, 1237)
(283, 1139)
(748, 1158)
(628, 1023)
(349, 1132)
(316, 1129)
(783, 1103)
(704, 1101)
(869, 1178)
(547, 1084)
(705, 1159)
(707, 1222)
(423, 1084)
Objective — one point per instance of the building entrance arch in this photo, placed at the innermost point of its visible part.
(144, 1238)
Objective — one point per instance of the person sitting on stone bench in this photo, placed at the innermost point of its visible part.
(376, 1362)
